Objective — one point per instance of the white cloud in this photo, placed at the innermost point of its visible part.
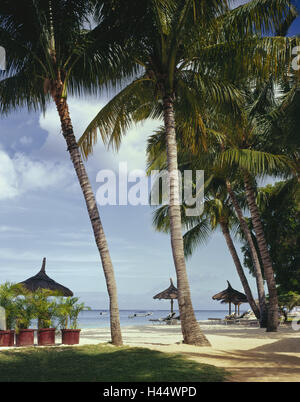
(11, 229)
(8, 177)
(25, 140)
(21, 174)
(82, 111)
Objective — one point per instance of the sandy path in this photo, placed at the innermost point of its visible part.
(250, 354)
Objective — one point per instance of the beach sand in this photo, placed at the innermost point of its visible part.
(250, 354)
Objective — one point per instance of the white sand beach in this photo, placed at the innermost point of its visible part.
(249, 353)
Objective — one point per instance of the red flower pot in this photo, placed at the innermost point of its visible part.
(46, 336)
(25, 337)
(7, 338)
(70, 336)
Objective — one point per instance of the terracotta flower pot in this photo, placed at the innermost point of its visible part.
(46, 336)
(25, 337)
(70, 336)
(7, 338)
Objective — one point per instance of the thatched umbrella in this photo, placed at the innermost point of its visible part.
(231, 295)
(42, 281)
(170, 293)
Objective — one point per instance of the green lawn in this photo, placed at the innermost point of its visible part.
(101, 363)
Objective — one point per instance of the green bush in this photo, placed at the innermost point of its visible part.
(67, 312)
(8, 296)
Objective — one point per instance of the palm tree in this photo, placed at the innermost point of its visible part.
(50, 53)
(279, 205)
(248, 151)
(217, 213)
(203, 157)
(178, 68)
(220, 214)
(255, 258)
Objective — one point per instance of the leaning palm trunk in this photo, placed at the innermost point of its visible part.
(239, 269)
(254, 255)
(67, 130)
(265, 256)
(191, 331)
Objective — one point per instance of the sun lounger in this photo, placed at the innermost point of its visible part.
(216, 320)
(247, 321)
(165, 320)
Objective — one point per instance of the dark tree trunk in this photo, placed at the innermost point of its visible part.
(265, 256)
(191, 331)
(255, 259)
(100, 239)
(239, 268)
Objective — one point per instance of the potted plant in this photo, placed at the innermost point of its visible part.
(8, 292)
(45, 312)
(67, 313)
(24, 314)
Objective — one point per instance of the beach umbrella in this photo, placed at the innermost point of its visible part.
(42, 281)
(231, 295)
(170, 293)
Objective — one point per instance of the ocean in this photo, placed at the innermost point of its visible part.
(100, 318)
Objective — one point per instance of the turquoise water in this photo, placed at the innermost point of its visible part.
(93, 318)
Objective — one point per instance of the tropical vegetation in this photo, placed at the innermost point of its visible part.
(186, 66)
(218, 78)
(47, 307)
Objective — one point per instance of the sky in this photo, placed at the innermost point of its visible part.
(43, 214)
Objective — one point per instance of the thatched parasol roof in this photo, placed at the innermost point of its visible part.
(170, 293)
(42, 281)
(231, 295)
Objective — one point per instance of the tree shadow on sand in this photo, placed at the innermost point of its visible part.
(271, 362)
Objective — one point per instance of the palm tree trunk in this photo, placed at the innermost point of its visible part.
(239, 268)
(255, 259)
(73, 149)
(265, 256)
(191, 331)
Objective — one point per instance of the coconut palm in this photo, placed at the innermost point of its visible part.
(279, 205)
(184, 49)
(218, 212)
(250, 152)
(254, 255)
(50, 54)
(201, 155)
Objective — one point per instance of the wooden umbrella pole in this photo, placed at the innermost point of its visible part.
(172, 302)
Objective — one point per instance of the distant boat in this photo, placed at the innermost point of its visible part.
(103, 313)
(139, 315)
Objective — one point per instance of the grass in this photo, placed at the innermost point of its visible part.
(102, 363)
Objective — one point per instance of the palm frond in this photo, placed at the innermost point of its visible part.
(198, 235)
(257, 162)
(133, 104)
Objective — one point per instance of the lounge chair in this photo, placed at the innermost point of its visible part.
(216, 320)
(165, 320)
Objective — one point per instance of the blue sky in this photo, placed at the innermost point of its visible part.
(42, 214)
